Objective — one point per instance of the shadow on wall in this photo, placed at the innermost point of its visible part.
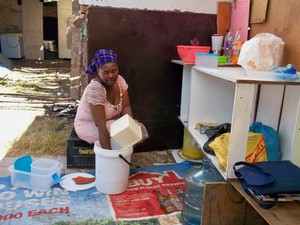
(146, 43)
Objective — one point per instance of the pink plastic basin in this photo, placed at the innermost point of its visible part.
(187, 53)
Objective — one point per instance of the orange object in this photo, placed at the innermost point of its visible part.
(234, 58)
(83, 180)
(236, 48)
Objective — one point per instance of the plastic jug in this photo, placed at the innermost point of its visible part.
(228, 45)
(236, 47)
(195, 179)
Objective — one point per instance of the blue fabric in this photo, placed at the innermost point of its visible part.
(100, 58)
(273, 177)
(252, 175)
(268, 178)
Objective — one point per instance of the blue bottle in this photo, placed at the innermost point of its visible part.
(195, 179)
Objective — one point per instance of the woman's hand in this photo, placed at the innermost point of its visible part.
(145, 134)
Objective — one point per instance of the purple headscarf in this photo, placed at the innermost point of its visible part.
(101, 57)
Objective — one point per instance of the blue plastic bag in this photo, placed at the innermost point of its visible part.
(271, 140)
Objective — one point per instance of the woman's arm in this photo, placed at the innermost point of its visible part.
(127, 110)
(98, 114)
(126, 104)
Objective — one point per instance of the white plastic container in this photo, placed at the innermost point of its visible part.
(125, 131)
(32, 181)
(206, 60)
(44, 166)
(47, 168)
(112, 171)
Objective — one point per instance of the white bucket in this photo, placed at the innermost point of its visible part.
(112, 172)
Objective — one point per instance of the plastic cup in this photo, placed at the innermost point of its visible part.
(216, 43)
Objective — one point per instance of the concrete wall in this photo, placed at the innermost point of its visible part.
(33, 29)
(27, 17)
(196, 6)
(24, 17)
(64, 31)
(10, 17)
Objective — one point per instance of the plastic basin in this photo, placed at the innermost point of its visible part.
(187, 53)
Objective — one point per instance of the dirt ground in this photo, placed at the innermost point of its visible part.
(26, 91)
(44, 81)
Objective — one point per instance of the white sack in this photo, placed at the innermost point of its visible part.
(262, 52)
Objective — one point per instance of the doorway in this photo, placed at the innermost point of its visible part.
(50, 30)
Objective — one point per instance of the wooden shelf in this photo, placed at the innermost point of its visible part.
(281, 213)
(239, 75)
(227, 203)
(228, 95)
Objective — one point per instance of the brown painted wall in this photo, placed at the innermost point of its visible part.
(146, 43)
(283, 19)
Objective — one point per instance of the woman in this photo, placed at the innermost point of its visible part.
(104, 100)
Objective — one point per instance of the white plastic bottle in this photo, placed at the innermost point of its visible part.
(228, 46)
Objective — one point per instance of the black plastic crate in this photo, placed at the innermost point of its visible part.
(80, 154)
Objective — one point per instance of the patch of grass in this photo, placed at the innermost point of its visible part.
(109, 222)
(47, 135)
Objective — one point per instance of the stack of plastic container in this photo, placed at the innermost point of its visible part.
(38, 175)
